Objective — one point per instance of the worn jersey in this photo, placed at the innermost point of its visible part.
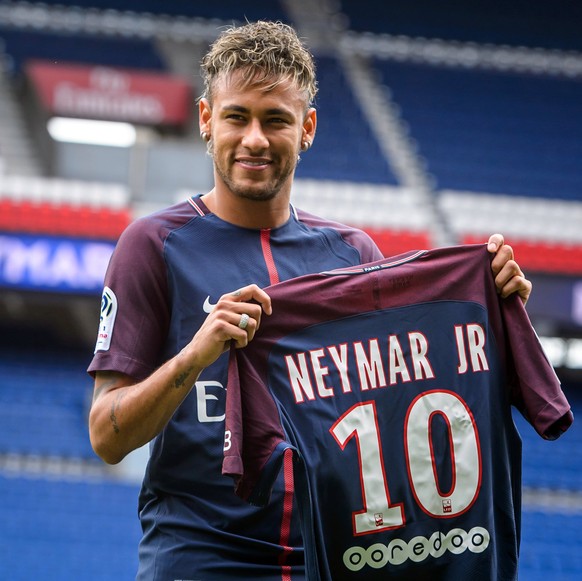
(392, 385)
(167, 271)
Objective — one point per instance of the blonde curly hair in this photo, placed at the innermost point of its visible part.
(269, 53)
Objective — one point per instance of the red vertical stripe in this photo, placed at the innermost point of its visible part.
(268, 255)
(288, 454)
(287, 512)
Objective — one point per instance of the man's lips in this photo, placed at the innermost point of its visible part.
(253, 162)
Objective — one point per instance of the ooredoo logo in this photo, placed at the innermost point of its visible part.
(417, 549)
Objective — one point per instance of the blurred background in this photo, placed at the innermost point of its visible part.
(439, 123)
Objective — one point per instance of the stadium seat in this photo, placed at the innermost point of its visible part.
(60, 529)
(135, 53)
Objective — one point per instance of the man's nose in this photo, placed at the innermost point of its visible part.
(254, 137)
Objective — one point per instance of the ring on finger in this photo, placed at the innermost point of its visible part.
(244, 321)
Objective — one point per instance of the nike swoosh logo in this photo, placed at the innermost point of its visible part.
(208, 306)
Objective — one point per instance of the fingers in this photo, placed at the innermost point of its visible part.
(503, 256)
(516, 284)
(495, 242)
(242, 310)
(509, 277)
(251, 293)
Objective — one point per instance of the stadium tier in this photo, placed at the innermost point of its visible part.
(225, 10)
(550, 546)
(43, 410)
(346, 148)
(24, 45)
(561, 463)
(63, 207)
(60, 529)
(519, 23)
(491, 131)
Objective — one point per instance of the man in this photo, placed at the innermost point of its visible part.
(171, 310)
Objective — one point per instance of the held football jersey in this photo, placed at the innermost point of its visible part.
(392, 386)
(165, 275)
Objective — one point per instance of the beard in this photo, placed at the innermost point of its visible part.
(261, 190)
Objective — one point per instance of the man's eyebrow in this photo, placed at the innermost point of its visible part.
(241, 109)
(238, 108)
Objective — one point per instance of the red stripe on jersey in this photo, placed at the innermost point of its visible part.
(287, 512)
(268, 255)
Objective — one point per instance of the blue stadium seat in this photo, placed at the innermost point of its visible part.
(227, 10)
(67, 529)
(44, 400)
(132, 53)
(495, 132)
(346, 150)
(524, 23)
(551, 546)
(561, 459)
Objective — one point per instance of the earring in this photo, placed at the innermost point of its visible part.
(204, 136)
(305, 145)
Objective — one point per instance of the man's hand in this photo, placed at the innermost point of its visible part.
(509, 277)
(235, 318)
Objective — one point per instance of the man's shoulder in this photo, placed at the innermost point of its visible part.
(315, 220)
(351, 235)
(159, 222)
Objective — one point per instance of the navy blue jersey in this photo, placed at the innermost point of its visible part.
(167, 271)
(392, 386)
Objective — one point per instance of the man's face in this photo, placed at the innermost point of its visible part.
(256, 136)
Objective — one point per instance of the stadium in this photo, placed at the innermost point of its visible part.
(438, 124)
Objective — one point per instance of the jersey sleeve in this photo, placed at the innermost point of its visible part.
(254, 442)
(136, 290)
(536, 389)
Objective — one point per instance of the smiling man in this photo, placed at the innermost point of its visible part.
(185, 283)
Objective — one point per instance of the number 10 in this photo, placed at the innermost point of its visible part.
(379, 513)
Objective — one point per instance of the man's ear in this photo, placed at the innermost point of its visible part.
(204, 116)
(309, 126)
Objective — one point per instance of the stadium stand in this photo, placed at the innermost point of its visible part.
(483, 102)
(40, 417)
(519, 23)
(490, 131)
(224, 11)
(501, 148)
(561, 463)
(122, 52)
(63, 207)
(358, 158)
(67, 528)
(550, 546)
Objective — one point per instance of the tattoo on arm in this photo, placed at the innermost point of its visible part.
(115, 405)
(181, 379)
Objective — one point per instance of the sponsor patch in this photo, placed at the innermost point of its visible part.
(106, 320)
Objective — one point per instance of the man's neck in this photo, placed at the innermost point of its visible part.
(248, 213)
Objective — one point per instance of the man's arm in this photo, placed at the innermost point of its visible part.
(509, 277)
(126, 414)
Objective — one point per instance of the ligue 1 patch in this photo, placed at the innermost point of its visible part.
(106, 320)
